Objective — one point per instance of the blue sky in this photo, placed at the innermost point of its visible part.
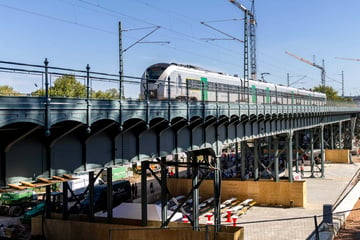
(73, 33)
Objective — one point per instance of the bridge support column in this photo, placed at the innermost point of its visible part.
(322, 150)
(340, 133)
(312, 153)
(256, 160)
(243, 156)
(297, 151)
(276, 158)
(290, 156)
(331, 136)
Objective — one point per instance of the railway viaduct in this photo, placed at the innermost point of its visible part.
(45, 137)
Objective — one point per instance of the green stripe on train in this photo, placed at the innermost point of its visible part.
(204, 91)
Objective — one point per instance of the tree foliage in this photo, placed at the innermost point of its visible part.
(6, 90)
(68, 86)
(331, 94)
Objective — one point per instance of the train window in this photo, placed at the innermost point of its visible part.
(179, 81)
(154, 73)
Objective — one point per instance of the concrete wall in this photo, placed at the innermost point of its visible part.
(337, 155)
(263, 192)
(56, 229)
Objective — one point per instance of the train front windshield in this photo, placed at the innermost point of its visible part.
(155, 71)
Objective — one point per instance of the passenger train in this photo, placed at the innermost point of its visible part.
(197, 84)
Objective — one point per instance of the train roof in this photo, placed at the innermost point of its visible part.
(187, 66)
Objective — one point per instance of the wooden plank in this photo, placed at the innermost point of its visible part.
(44, 180)
(17, 186)
(27, 184)
(67, 176)
(60, 178)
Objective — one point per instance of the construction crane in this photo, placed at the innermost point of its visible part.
(350, 59)
(252, 37)
(322, 68)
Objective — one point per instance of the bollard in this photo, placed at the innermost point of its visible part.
(209, 215)
(185, 219)
(234, 218)
(228, 216)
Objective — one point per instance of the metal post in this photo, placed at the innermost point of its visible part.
(195, 194)
(88, 103)
(109, 194)
(217, 197)
(312, 162)
(176, 166)
(144, 167)
(331, 136)
(297, 151)
(256, 160)
(121, 64)
(48, 201)
(340, 133)
(47, 100)
(243, 156)
(316, 229)
(91, 196)
(322, 150)
(163, 191)
(290, 156)
(65, 210)
(169, 100)
(187, 103)
(276, 158)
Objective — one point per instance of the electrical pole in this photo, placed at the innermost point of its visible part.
(121, 65)
(342, 83)
(121, 52)
(247, 14)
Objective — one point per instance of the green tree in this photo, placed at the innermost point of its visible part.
(331, 94)
(68, 86)
(111, 93)
(6, 90)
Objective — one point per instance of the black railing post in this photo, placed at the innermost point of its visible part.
(144, 215)
(47, 100)
(187, 102)
(88, 102)
(91, 197)
(169, 100)
(109, 192)
(317, 236)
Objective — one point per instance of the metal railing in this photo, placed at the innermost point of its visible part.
(296, 228)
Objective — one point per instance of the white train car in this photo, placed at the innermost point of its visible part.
(164, 80)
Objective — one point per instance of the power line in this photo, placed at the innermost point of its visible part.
(56, 18)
